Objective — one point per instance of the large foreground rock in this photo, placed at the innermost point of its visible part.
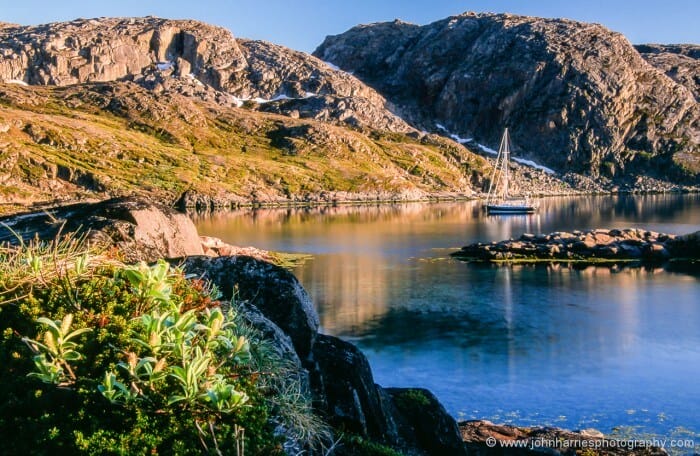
(272, 289)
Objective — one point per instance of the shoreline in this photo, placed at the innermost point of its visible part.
(321, 200)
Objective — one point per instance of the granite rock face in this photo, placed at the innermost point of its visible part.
(576, 96)
(303, 86)
(680, 62)
(109, 49)
(190, 58)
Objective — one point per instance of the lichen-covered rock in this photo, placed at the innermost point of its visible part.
(576, 96)
(272, 289)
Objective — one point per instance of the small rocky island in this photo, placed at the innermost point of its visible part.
(630, 245)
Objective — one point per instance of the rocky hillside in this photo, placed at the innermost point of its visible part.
(183, 111)
(191, 58)
(576, 96)
(680, 62)
(117, 138)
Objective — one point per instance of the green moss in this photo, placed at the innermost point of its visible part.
(357, 446)
(229, 152)
(411, 399)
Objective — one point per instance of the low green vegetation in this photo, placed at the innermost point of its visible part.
(99, 357)
(358, 446)
(411, 399)
(113, 139)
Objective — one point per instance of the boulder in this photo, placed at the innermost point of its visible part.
(352, 400)
(424, 420)
(686, 246)
(272, 289)
(141, 229)
(655, 252)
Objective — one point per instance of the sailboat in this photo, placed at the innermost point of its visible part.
(499, 200)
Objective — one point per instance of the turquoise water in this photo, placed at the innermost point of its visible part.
(575, 348)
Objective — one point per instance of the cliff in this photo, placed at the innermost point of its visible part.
(192, 58)
(577, 97)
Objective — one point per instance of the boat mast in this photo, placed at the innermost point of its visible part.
(506, 151)
(500, 172)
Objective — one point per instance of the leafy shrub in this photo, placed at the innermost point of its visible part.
(103, 358)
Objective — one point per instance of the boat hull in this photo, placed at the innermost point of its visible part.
(510, 209)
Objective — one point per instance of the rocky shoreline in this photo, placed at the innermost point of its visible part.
(588, 247)
(583, 187)
(201, 202)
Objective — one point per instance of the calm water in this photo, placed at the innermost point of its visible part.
(526, 345)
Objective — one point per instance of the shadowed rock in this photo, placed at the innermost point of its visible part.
(421, 417)
(352, 400)
(270, 288)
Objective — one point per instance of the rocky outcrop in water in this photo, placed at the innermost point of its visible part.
(190, 58)
(630, 244)
(576, 96)
(484, 438)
